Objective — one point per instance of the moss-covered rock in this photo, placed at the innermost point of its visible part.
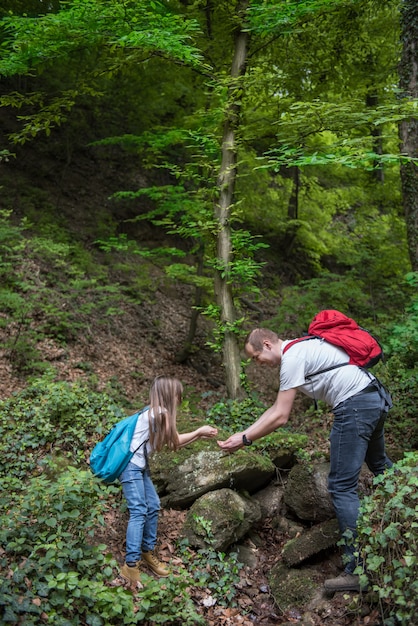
(306, 492)
(211, 470)
(229, 515)
(318, 538)
(292, 587)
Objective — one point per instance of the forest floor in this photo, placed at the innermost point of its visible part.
(127, 354)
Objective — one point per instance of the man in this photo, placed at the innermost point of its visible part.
(360, 405)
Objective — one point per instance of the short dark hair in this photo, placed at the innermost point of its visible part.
(257, 336)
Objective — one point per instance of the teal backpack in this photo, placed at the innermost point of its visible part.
(110, 456)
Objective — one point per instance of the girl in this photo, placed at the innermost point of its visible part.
(156, 428)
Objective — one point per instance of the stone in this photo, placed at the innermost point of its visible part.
(320, 537)
(270, 500)
(306, 492)
(291, 587)
(219, 519)
(208, 471)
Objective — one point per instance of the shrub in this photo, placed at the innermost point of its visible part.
(235, 415)
(168, 602)
(388, 541)
(402, 335)
(50, 569)
(52, 416)
(402, 424)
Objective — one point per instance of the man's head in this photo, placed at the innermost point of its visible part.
(263, 346)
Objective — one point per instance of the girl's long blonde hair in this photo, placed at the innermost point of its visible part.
(165, 397)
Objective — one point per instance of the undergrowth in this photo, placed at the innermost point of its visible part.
(388, 541)
(51, 568)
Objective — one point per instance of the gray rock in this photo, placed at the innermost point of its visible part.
(208, 471)
(270, 500)
(219, 519)
(247, 555)
(288, 526)
(292, 587)
(318, 538)
(306, 492)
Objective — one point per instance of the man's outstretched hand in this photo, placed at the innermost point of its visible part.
(233, 443)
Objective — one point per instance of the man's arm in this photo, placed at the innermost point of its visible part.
(277, 415)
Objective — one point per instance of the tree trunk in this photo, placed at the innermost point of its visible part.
(226, 182)
(293, 206)
(372, 101)
(408, 82)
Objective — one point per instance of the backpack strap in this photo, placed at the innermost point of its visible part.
(328, 369)
(143, 443)
(140, 446)
(305, 338)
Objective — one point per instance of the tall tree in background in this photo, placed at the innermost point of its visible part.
(408, 75)
(223, 208)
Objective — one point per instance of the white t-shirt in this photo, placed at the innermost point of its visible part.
(313, 355)
(140, 436)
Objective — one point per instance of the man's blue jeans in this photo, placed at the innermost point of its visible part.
(357, 436)
(143, 505)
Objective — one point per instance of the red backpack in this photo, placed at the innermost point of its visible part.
(342, 331)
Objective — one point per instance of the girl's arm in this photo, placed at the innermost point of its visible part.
(204, 432)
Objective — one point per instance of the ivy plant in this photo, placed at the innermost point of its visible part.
(388, 541)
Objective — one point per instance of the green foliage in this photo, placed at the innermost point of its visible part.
(73, 33)
(167, 603)
(329, 291)
(402, 425)
(279, 18)
(55, 509)
(235, 415)
(400, 372)
(216, 571)
(52, 415)
(46, 536)
(347, 148)
(388, 541)
(403, 334)
(221, 328)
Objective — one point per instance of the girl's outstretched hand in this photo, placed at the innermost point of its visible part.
(207, 432)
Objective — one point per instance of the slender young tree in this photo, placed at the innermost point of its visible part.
(223, 208)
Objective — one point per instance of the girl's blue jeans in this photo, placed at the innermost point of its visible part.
(357, 436)
(143, 505)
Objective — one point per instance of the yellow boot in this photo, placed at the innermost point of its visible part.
(154, 564)
(131, 574)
